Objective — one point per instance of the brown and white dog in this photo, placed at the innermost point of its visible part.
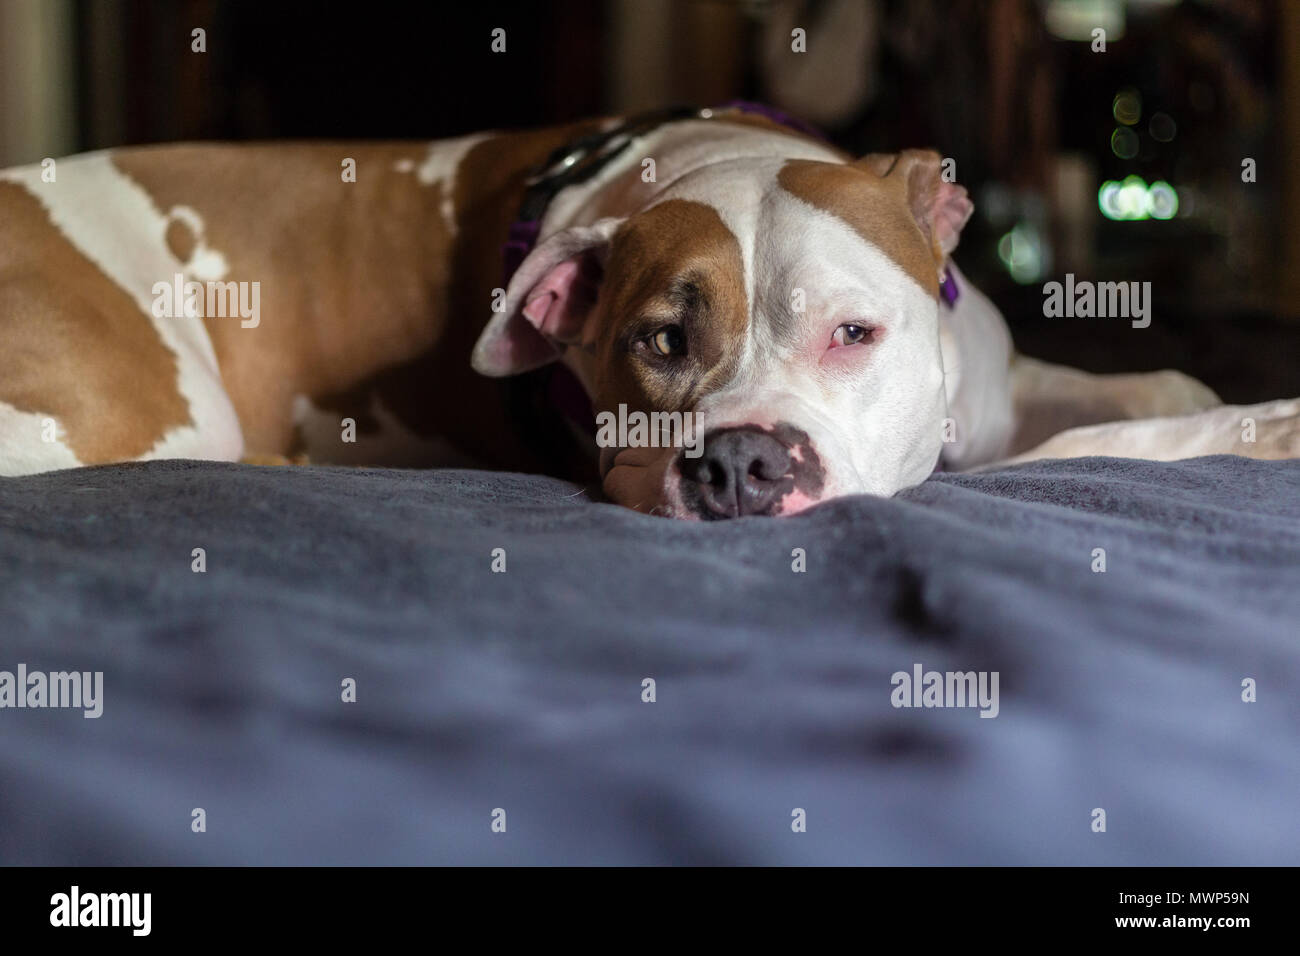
(760, 278)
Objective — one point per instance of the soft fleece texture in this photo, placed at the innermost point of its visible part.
(522, 690)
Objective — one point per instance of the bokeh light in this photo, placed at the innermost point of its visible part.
(1132, 199)
(1162, 128)
(1162, 200)
(1124, 142)
(1127, 107)
(1021, 251)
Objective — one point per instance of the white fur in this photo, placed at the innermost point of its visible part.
(976, 360)
(1214, 431)
(23, 450)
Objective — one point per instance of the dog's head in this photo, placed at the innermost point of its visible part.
(789, 306)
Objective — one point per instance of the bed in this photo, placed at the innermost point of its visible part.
(519, 696)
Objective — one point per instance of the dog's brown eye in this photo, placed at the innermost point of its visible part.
(851, 334)
(669, 340)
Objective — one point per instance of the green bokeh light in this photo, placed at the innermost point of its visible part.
(1132, 199)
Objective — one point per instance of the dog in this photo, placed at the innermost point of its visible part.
(346, 302)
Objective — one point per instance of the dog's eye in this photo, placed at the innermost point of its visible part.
(851, 335)
(670, 340)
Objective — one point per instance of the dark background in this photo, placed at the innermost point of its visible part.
(1011, 89)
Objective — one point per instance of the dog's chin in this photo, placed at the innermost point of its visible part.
(664, 499)
(791, 504)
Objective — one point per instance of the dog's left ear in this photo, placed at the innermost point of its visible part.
(939, 207)
(548, 302)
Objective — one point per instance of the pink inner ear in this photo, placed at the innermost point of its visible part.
(952, 208)
(558, 305)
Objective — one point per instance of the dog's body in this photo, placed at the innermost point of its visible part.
(759, 278)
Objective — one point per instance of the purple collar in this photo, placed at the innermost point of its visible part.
(772, 113)
(948, 291)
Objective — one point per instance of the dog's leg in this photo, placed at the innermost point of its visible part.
(1049, 399)
(1267, 430)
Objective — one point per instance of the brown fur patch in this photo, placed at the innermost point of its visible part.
(181, 241)
(352, 274)
(673, 245)
(879, 209)
(75, 346)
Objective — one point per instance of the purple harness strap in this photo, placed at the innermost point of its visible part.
(776, 116)
(519, 242)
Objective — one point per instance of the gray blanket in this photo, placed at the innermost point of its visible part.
(522, 691)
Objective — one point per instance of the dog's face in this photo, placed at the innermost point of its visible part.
(788, 307)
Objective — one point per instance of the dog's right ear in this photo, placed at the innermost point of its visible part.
(548, 303)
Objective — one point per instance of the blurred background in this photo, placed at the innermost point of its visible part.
(1122, 165)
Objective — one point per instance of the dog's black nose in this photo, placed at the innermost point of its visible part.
(743, 471)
